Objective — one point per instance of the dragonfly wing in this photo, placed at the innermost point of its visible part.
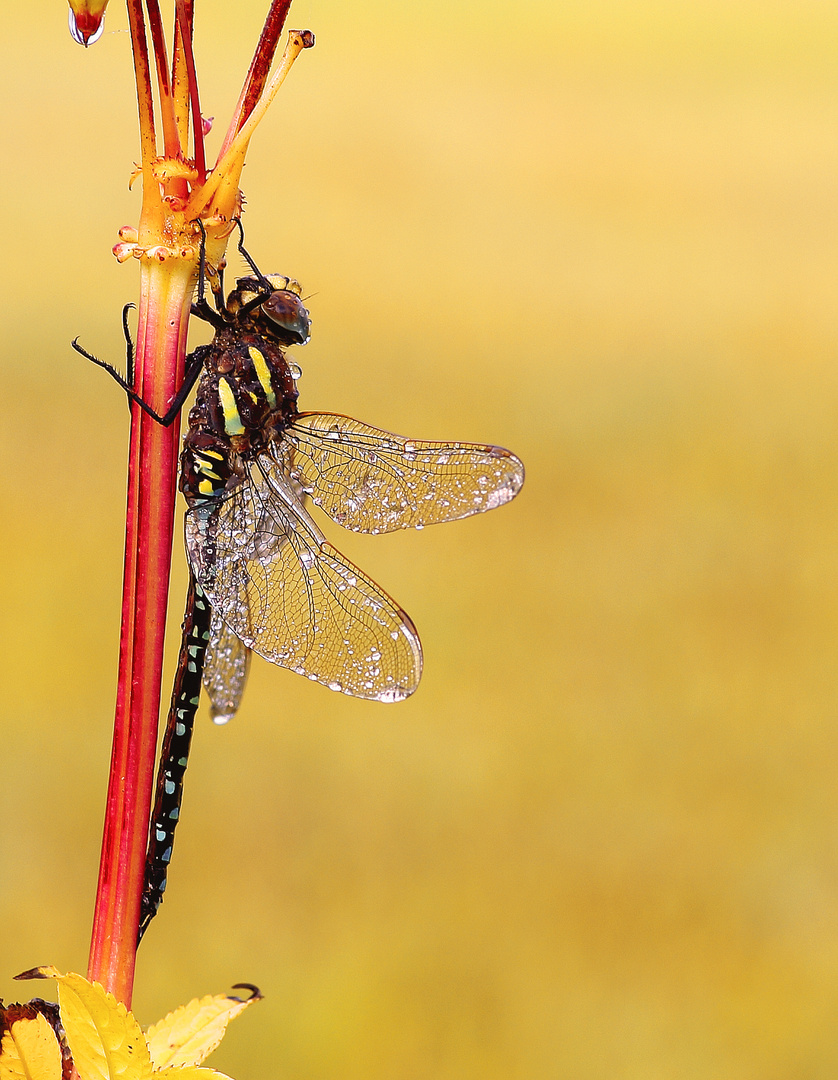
(372, 481)
(293, 598)
(227, 664)
(225, 670)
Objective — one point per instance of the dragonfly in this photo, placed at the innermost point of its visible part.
(263, 576)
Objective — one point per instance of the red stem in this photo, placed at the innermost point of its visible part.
(161, 344)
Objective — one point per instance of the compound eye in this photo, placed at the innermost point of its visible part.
(286, 310)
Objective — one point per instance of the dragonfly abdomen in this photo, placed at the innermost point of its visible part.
(186, 694)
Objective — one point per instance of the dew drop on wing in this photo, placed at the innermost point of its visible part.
(222, 718)
(395, 693)
(500, 496)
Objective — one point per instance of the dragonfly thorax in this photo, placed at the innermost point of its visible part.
(246, 396)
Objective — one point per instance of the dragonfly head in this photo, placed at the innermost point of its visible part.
(286, 316)
(284, 308)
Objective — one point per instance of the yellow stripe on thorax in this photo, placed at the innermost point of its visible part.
(263, 375)
(232, 421)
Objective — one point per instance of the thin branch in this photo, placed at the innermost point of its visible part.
(184, 25)
(180, 87)
(171, 142)
(228, 169)
(260, 67)
(145, 99)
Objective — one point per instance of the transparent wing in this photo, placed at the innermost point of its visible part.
(291, 597)
(225, 670)
(227, 664)
(371, 481)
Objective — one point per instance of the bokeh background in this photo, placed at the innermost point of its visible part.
(601, 840)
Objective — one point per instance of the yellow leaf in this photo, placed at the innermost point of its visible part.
(104, 1038)
(189, 1034)
(30, 1051)
(188, 1072)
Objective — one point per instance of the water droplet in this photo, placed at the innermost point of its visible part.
(87, 29)
(394, 694)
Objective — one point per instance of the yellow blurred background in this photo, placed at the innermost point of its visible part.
(601, 840)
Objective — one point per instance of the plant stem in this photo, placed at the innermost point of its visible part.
(165, 296)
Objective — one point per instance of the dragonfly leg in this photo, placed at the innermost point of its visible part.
(201, 308)
(194, 363)
(125, 383)
(267, 288)
(248, 258)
